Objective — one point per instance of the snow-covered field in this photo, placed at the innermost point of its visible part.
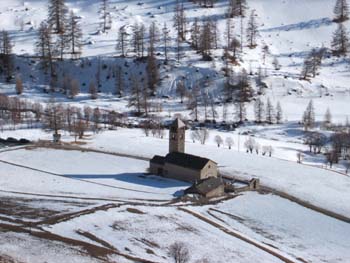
(112, 204)
(25, 248)
(285, 225)
(89, 174)
(315, 185)
(318, 186)
(148, 231)
(307, 25)
(103, 200)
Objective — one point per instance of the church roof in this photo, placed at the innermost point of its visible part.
(177, 123)
(158, 159)
(186, 160)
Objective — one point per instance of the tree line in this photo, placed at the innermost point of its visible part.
(56, 117)
(336, 146)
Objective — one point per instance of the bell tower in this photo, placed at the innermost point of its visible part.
(177, 136)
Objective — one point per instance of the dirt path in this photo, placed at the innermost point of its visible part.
(7, 259)
(263, 187)
(63, 196)
(134, 201)
(70, 147)
(101, 252)
(69, 216)
(98, 252)
(83, 247)
(274, 252)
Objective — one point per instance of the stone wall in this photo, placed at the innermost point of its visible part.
(154, 169)
(219, 191)
(181, 173)
(210, 170)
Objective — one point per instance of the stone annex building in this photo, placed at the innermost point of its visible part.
(179, 165)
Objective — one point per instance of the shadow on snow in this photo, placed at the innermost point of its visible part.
(133, 178)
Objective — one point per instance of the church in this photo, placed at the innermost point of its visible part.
(179, 165)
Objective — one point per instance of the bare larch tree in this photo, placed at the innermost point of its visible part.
(105, 15)
(252, 30)
(341, 11)
(74, 35)
(340, 42)
(57, 15)
(6, 58)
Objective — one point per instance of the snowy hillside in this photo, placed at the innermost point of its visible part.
(107, 210)
(275, 107)
(290, 32)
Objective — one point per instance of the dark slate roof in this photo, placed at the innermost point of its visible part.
(205, 186)
(158, 159)
(186, 160)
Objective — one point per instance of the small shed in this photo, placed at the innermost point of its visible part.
(209, 187)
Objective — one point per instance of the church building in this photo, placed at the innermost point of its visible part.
(179, 165)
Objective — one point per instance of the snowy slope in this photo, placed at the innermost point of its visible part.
(285, 225)
(149, 230)
(317, 186)
(139, 225)
(290, 28)
(85, 175)
(291, 31)
(100, 168)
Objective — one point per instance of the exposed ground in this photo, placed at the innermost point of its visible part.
(92, 218)
(100, 205)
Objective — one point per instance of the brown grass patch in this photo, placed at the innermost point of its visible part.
(134, 211)
(78, 143)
